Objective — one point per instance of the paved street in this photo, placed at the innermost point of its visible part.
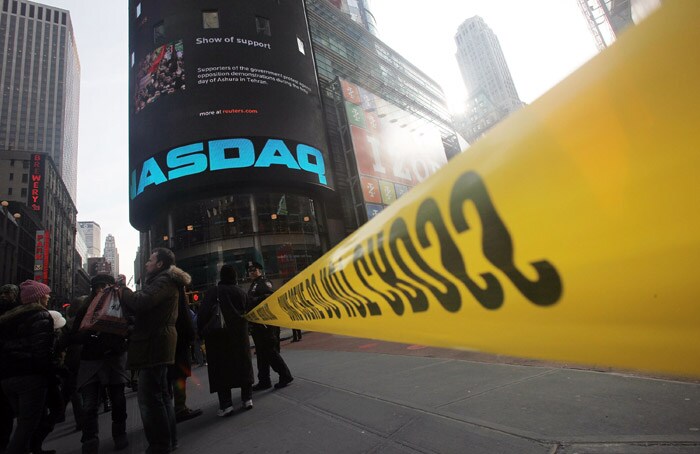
(370, 397)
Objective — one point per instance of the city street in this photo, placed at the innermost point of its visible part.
(360, 396)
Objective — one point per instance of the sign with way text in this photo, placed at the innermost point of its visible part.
(394, 150)
(221, 99)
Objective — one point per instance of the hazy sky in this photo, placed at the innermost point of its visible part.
(543, 41)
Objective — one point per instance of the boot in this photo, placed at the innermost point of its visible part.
(91, 446)
(119, 435)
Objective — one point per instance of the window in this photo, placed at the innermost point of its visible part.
(25, 178)
(9, 191)
(12, 176)
(24, 192)
(210, 19)
(25, 164)
(263, 26)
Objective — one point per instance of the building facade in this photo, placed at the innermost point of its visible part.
(490, 87)
(301, 193)
(93, 237)
(32, 180)
(81, 249)
(112, 255)
(40, 82)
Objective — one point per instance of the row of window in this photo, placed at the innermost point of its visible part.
(23, 192)
(23, 10)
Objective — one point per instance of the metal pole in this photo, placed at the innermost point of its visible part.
(15, 257)
(4, 242)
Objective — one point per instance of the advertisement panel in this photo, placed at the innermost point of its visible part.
(36, 191)
(42, 248)
(221, 99)
(394, 150)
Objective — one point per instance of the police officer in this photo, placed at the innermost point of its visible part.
(266, 337)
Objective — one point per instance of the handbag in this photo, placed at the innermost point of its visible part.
(105, 314)
(217, 321)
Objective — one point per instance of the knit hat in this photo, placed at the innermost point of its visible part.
(31, 291)
(58, 320)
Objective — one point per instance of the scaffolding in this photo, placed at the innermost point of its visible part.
(606, 19)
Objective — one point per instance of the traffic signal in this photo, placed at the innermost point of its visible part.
(194, 297)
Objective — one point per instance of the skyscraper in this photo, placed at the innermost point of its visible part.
(112, 255)
(490, 87)
(93, 237)
(40, 82)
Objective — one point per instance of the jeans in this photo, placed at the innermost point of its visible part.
(27, 396)
(157, 412)
(91, 393)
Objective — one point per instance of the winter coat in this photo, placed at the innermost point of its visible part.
(228, 348)
(259, 289)
(27, 339)
(185, 336)
(96, 346)
(154, 337)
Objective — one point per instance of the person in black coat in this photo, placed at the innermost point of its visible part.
(27, 354)
(182, 369)
(228, 347)
(8, 300)
(266, 337)
(102, 368)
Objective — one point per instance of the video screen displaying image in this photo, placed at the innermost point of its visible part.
(161, 73)
(394, 149)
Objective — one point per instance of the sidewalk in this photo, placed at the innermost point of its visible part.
(353, 402)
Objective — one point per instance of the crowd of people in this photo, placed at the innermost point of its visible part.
(161, 73)
(50, 360)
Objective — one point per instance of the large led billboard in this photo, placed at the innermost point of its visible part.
(223, 97)
(394, 150)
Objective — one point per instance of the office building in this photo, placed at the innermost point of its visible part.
(112, 255)
(93, 237)
(32, 180)
(490, 87)
(40, 82)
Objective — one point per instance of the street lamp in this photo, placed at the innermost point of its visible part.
(15, 256)
(5, 260)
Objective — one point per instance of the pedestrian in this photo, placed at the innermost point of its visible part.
(102, 370)
(27, 353)
(265, 337)
(182, 369)
(198, 356)
(71, 363)
(152, 345)
(228, 343)
(8, 301)
(296, 335)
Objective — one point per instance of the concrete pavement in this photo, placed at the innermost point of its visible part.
(358, 402)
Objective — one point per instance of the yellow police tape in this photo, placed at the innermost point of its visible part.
(570, 232)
